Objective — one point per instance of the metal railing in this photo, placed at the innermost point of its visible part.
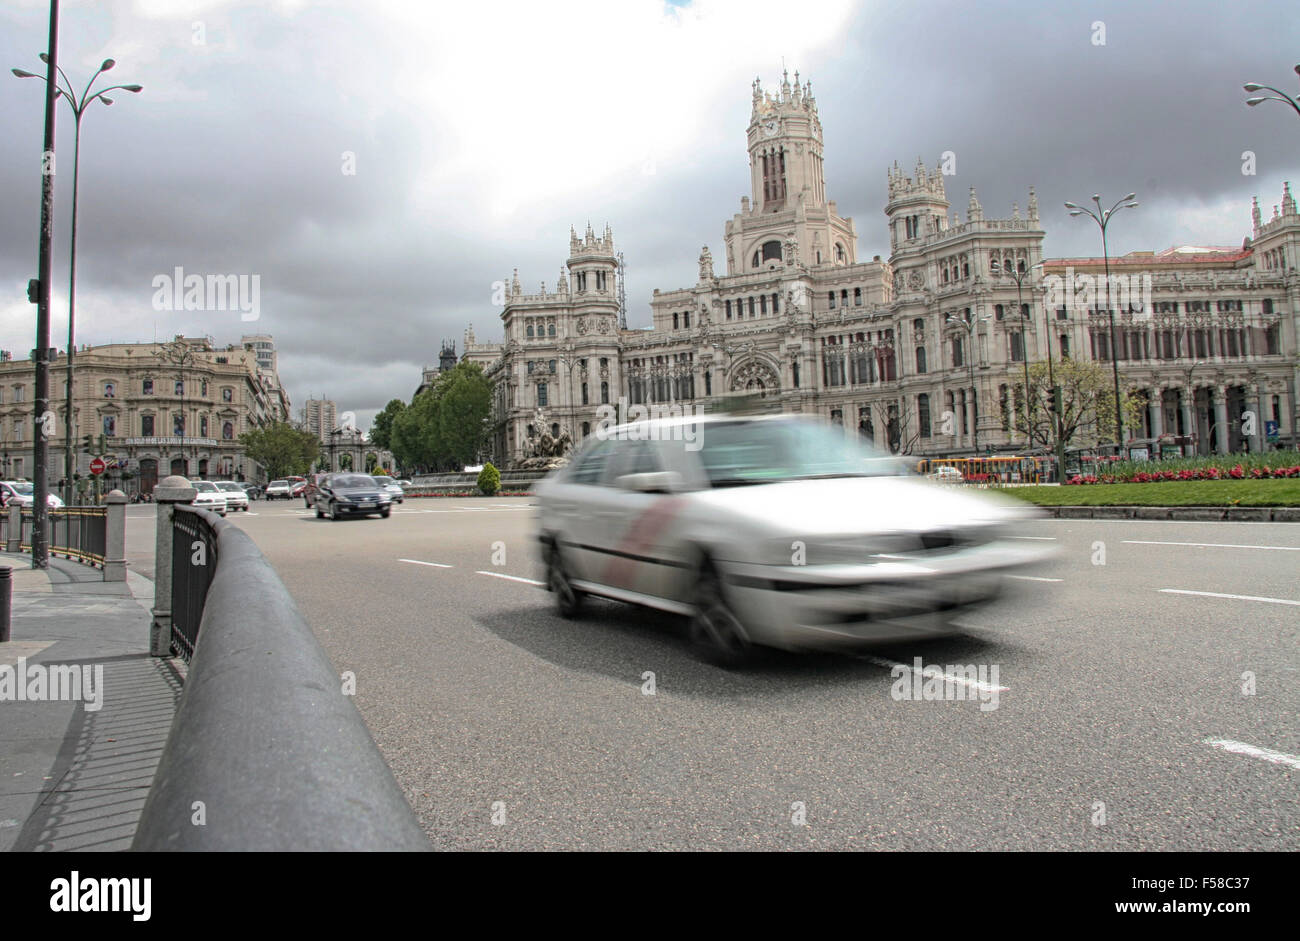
(264, 735)
(194, 564)
(77, 532)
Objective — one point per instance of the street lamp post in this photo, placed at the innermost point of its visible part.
(1277, 95)
(79, 106)
(179, 355)
(1019, 277)
(1102, 218)
(970, 358)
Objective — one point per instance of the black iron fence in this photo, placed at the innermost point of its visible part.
(194, 565)
(77, 532)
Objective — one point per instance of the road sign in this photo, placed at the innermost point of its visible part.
(97, 466)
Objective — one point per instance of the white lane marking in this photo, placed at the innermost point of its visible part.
(513, 578)
(437, 565)
(1215, 594)
(1254, 751)
(1035, 578)
(1211, 545)
(947, 677)
(1038, 538)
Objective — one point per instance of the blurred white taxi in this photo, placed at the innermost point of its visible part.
(777, 530)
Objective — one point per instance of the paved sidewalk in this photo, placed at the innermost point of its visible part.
(75, 777)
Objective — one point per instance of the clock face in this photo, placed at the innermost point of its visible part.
(770, 127)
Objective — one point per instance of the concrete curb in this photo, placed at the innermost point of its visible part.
(1253, 514)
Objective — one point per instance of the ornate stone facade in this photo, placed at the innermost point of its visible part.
(180, 413)
(943, 326)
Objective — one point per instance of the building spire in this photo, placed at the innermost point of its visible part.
(1288, 201)
(974, 212)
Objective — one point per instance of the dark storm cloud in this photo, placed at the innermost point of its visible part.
(236, 167)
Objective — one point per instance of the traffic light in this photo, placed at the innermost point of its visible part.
(1056, 400)
(34, 290)
(103, 447)
(87, 444)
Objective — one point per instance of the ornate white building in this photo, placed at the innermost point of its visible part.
(891, 346)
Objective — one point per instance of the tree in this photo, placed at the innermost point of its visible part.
(280, 448)
(462, 409)
(381, 429)
(443, 427)
(1087, 405)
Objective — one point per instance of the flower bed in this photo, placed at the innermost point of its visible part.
(1212, 472)
(469, 493)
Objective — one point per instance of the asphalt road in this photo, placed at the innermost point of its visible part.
(1114, 685)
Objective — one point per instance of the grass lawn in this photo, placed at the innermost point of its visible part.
(1171, 493)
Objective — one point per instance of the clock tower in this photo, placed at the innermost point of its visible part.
(787, 210)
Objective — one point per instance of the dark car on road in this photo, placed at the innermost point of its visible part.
(340, 495)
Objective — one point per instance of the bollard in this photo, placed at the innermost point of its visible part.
(6, 599)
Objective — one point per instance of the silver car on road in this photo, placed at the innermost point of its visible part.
(779, 531)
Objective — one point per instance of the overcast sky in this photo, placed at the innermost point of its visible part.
(480, 132)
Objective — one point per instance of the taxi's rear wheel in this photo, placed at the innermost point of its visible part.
(716, 632)
(568, 600)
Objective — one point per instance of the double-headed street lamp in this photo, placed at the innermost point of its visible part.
(1277, 95)
(79, 106)
(1019, 277)
(970, 326)
(179, 355)
(1102, 218)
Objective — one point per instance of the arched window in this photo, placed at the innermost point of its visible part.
(840, 255)
(920, 360)
(772, 251)
(530, 331)
(550, 330)
(755, 259)
(604, 393)
(923, 414)
(675, 324)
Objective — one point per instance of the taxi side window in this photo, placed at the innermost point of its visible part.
(638, 457)
(591, 468)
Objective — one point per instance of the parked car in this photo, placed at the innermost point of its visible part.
(236, 496)
(392, 488)
(23, 492)
(279, 490)
(209, 496)
(778, 530)
(349, 494)
(945, 475)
